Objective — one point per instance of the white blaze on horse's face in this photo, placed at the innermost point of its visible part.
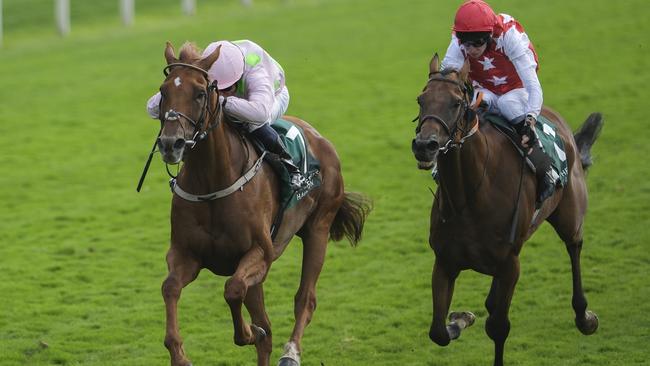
(177, 81)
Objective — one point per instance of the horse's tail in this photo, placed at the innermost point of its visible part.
(350, 218)
(586, 136)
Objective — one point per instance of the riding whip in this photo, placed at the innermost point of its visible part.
(146, 166)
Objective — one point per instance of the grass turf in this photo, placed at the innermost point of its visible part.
(82, 255)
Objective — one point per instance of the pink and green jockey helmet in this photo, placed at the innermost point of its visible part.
(229, 66)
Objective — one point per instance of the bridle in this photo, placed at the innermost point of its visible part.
(457, 134)
(173, 115)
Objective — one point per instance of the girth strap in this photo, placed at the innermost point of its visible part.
(239, 183)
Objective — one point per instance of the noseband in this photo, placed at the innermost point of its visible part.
(465, 108)
(173, 115)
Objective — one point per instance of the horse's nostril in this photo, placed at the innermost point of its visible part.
(179, 144)
(432, 144)
(167, 144)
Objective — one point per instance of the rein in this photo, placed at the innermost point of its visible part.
(475, 189)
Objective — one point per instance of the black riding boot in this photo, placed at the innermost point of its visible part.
(544, 173)
(542, 163)
(273, 143)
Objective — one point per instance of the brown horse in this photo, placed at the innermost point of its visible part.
(230, 235)
(484, 206)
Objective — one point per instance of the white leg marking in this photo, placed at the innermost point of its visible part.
(291, 352)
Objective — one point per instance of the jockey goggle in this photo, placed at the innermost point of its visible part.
(475, 43)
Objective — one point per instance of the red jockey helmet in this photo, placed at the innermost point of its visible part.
(475, 16)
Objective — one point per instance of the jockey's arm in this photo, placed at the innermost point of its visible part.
(153, 106)
(525, 66)
(256, 109)
(516, 47)
(454, 58)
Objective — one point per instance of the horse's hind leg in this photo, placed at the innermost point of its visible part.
(586, 321)
(442, 288)
(567, 221)
(497, 325)
(254, 302)
(315, 245)
(182, 270)
(252, 270)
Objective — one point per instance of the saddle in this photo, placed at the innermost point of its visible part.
(296, 145)
(549, 142)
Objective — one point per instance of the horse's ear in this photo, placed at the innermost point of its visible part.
(434, 65)
(464, 71)
(169, 54)
(206, 62)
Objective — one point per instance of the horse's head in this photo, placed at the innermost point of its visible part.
(187, 101)
(444, 112)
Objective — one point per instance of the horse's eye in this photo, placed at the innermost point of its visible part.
(201, 95)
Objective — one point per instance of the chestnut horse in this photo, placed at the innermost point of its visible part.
(230, 232)
(484, 206)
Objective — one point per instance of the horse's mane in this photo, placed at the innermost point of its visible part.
(446, 72)
(189, 53)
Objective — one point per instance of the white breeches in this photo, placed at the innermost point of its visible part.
(510, 105)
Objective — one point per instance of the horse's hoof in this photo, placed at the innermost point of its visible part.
(285, 361)
(463, 319)
(589, 324)
(291, 355)
(441, 336)
(259, 333)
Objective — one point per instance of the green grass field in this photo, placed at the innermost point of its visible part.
(82, 254)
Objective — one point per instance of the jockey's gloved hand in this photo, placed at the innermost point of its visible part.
(530, 120)
(528, 136)
(222, 101)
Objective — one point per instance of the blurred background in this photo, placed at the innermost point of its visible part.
(82, 254)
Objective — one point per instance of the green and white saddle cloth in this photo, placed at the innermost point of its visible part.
(550, 142)
(294, 140)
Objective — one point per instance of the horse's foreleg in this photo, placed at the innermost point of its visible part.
(252, 270)
(182, 270)
(497, 324)
(489, 301)
(586, 321)
(254, 302)
(315, 245)
(442, 286)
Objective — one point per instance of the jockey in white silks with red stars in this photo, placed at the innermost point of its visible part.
(503, 66)
(252, 92)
